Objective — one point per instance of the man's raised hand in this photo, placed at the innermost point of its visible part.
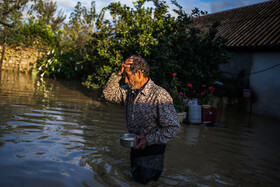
(126, 64)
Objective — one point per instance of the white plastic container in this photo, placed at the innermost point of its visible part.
(194, 111)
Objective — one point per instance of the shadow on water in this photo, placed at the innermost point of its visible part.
(55, 132)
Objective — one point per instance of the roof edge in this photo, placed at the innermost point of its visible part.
(233, 9)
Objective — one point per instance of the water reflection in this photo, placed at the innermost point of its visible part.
(192, 134)
(55, 132)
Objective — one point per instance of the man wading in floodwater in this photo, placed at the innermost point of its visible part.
(149, 113)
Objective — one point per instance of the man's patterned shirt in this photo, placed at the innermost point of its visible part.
(151, 113)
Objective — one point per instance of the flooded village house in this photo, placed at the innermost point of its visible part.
(253, 36)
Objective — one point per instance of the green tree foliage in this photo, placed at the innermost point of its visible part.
(130, 32)
(11, 12)
(72, 54)
(10, 21)
(46, 12)
(11, 18)
(169, 44)
(43, 28)
(91, 48)
(80, 27)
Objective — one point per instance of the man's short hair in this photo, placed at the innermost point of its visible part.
(140, 64)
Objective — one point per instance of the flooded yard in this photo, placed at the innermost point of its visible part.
(57, 133)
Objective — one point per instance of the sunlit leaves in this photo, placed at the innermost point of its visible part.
(91, 47)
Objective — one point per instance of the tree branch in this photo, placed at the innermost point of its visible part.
(6, 24)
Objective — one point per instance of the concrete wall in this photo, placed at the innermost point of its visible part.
(266, 85)
(241, 61)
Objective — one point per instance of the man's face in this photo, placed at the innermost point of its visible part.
(132, 80)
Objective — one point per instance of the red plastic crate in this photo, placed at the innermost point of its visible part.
(208, 115)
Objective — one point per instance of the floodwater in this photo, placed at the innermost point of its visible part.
(57, 133)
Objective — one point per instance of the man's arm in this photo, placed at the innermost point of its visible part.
(168, 121)
(113, 92)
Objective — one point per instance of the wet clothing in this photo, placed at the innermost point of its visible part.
(149, 112)
(147, 164)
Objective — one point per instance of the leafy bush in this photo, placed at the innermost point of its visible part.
(91, 48)
(180, 99)
(169, 44)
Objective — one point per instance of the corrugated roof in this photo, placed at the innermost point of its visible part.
(253, 26)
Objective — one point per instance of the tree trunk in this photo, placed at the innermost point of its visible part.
(3, 51)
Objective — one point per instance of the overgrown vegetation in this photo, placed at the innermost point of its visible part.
(90, 47)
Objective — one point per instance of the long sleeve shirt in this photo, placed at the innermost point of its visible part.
(150, 112)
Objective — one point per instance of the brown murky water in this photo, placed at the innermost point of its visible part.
(57, 133)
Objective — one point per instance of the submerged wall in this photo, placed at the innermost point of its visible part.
(20, 58)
